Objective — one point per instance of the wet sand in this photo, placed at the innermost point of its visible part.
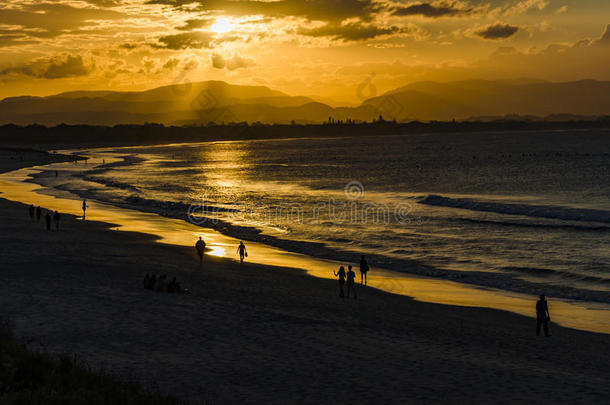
(255, 334)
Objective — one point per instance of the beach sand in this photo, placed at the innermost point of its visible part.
(254, 334)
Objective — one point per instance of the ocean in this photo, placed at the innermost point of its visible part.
(526, 212)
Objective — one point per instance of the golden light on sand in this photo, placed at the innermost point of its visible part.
(222, 26)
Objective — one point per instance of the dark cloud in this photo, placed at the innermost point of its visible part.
(190, 25)
(236, 62)
(11, 38)
(313, 10)
(350, 32)
(497, 31)
(185, 40)
(51, 19)
(431, 11)
(129, 46)
(58, 67)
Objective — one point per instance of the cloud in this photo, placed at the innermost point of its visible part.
(429, 10)
(184, 41)
(350, 32)
(236, 62)
(497, 31)
(605, 38)
(562, 9)
(190, 25)
(524, 6)
(312, 10)
(58, 67)
(47, 20)
(14, 38)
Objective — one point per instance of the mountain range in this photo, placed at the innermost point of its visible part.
(219, 102)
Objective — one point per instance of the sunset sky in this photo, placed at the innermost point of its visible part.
(302, 47)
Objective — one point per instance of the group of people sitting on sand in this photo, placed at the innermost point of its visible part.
(36, 214)
(161, 285)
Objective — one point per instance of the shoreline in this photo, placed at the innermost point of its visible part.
(262, 334)
(583, 315)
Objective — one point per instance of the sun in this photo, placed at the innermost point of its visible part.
(221, 26)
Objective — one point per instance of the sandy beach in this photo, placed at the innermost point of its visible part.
(254, 334)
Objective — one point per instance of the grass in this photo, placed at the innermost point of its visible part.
(35, 378)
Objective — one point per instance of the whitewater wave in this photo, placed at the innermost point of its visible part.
(537, 211)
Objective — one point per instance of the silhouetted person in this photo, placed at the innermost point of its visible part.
(341, 275)
(351, 281)
(56, 173)
(56, 218)
(47, 219)
(200, 247)
(542, 316)
(364, 268)
(152, 281)
(173, 286)
(38, 213)
(84, 208)
(243, 253)
(32, 211)
(161, 285)
(146, 281)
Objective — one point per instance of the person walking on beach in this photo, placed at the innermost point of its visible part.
(542, 316)
(200, 247)
(364, 268)
(341, 275)
(32, 209)
(351, 281)
(47, 219)
(84, 208)
(56, 218)
(38, 213)
(243, 253)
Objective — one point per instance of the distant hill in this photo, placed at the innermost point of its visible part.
(218, 102)
(463, 99)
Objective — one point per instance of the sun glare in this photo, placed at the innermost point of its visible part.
(221, 26)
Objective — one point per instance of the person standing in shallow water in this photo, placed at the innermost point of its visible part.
(84, 208)
(243, 253)
(32, 209)
(341, 275)
(200, 247)
(542, 316)
(351, 281)
(38, 213)
(364, 268)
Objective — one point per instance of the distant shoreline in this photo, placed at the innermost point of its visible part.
(64, 136)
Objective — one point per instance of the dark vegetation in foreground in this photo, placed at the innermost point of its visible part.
(34, 378)
(85, 135)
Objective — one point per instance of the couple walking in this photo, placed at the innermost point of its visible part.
(349, 278)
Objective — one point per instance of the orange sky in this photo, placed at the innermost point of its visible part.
(302, 47)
